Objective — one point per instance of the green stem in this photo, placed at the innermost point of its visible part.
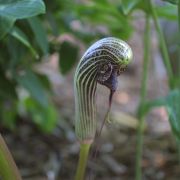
(178, 74)
(8, 169)
(84, 152)
(143, 95)
(179, 40)
(163, 46)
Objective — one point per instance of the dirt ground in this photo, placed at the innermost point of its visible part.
(54, 156)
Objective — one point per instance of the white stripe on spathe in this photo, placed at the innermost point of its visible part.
(107, 50)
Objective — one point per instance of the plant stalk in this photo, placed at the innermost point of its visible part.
(8, 168)
(140, 130)
(163, 46)
(179, 40)
(83, 156)
(178, 73)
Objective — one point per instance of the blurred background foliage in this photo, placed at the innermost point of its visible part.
(32, 30)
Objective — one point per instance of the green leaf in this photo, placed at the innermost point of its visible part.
(168, 11)
(53, 24)
(7, 87)
(19, 35)
(144, 6)
(172, 104)
(5, 25)
(68, 56)
(98, 12)
(104, 14)
(16, 53)
(11, 10)
(45, 81)
(33, 85)
(173, 107)
(128, 5)
(8, 113)
(21, 9)
(40, 34)
(45, 117)
(147, 106)
(172, 1)
(176, 81)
